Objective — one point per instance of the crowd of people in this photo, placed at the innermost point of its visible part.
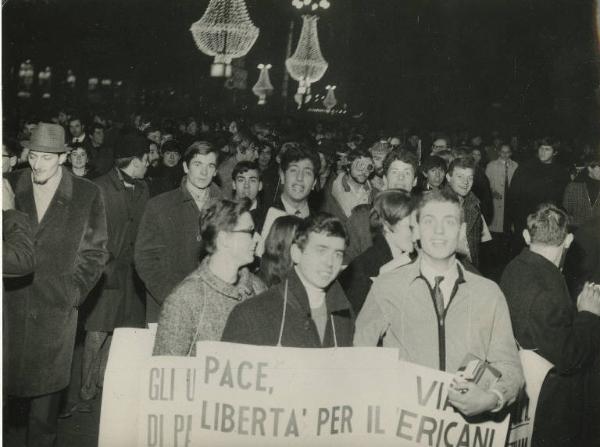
(302, 235)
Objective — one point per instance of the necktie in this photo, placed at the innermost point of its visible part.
(438, 296)
(505, 228)
(298, 213)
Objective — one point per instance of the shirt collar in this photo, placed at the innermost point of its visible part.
(52, 182)
(291, 209)
(316, 296)
(429, 273)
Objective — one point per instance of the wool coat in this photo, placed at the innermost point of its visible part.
(544, 318)
(578, 203)
(168, 245)
(198, 309)
(17, 244)
(258, 320)
(41, 309)
(117, 301)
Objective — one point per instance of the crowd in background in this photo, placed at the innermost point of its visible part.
(224, 208)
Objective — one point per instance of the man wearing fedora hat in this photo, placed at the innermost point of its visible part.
(68, 221)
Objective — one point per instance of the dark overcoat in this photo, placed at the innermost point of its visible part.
(41, 309)
(257, 321)
(168, 245)
(117, 300)
(545, 318)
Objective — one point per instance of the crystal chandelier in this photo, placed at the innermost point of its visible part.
(330, 101)
(225, 31)
(306, 64)
(263, 86)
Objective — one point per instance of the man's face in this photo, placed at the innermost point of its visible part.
(321, 260)
(298, 180)
(413, 140)
(76, 128)
(153, 153)
(201, 170)
(476, 154)
(439, 229)
(264, 156)
(98, 137)
(44, 165)
(361, 169)
(505, 152)
(171, 158)
(62, 118)
(78, 158)
(154, 136)
(461, 180)
(247, 184)
(439, 145)
(594, 172)
(546, 153)
(140, 166)
(378, 158)
(192, 128)
(246, 151)
(435, 176)
(8, 161)
(400, 175)
(27, 130)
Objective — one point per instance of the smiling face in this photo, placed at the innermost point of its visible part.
(461, 180)
(320, 261)
(78, 158)
(298, 180)
(439, 229)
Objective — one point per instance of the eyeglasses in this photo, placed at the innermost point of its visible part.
(249, 231)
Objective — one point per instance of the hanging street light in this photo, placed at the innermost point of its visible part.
(307, 64)
(226, 32)
(330, 100)
(263, 86)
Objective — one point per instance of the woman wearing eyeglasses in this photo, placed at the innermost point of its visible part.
(198, 307)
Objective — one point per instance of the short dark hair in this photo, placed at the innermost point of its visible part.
(402, 155)
(321, 223)
(297, 152)
(546, 141)
(441, 195)
(124, 162)
(433, 161)
(199, 148)
(75, 118)
(244, 166)
(95, 126)
(548, 225)
(12, 147)
(222, 215)
(463, 163)
(358, 153)
(390, 207)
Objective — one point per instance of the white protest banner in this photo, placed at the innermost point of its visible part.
(265, 396)
(535, 369)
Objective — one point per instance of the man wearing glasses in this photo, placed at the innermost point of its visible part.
(353, 187)
(168, 246)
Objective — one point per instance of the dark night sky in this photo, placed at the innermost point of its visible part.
(517, 65)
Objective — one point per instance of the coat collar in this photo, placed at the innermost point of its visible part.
(531, 258)
(238, 291)
(26, 202)
(335, 298)
(214, 192)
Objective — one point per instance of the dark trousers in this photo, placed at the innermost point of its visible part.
(42, 424)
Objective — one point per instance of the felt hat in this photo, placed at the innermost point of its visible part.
(47, 137)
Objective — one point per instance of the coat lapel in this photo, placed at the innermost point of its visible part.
(59, 202)
(24, 198)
